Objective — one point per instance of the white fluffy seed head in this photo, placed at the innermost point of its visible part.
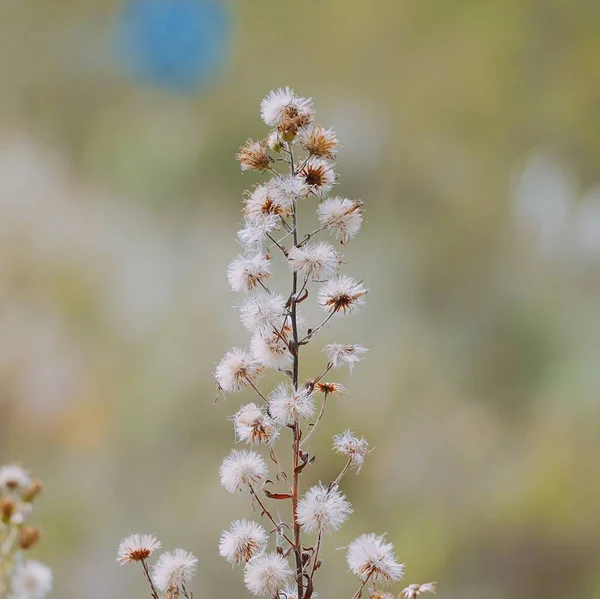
(13, 478)
(266, 574)
(252, 425)
(282, 104)
(322, 509)
(254, 234)
(241, 469)
(271, 352)
(354, 448)
(318, 176)
(319, 142)
(412, 591)
(287, 406)
(342, 217)
(259, 204)
(173, 569)
(236, 369)
(263, 313)
(344, 355)
(370, 556)
(317, 261)
(31, 580)
(243, 541)
(285, 190)
(342, 294)
(137, 547)
(246, 272)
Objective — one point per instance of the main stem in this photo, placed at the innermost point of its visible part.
(296, 427)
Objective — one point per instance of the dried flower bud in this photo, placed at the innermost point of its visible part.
(412, 591)
(331, 388)
(318, 175)
(34, 489)
(7, 509)
(28, 536)
(319, 142)
(13, 478)
(253, 156)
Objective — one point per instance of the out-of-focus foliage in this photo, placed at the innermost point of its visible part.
(470, 129)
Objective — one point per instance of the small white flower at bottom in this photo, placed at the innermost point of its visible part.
(371, 557)
(31, 580)
(344, 355)
(243, 541)
(137, 547)
(286, 406)
(242, 468)
(174, 569)
(265, 575)
(412, 591)
(323, 509)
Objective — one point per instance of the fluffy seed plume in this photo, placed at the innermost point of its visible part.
(352, 447)
(246, 272)
(271, 352)
(243, 541)
(265, 575)
(344, 355)
(287, 406)
(137, 547)
(342, 294)
(242, 468)
(259, 204)
(323, 509)
(286, 190)
(412, 591)
(172, 570)
(318, 176)
(316, 261)
(31, 580)
(263, 313)
(343, 218)
(14, 478)
(371, 557)
(236, 370)
(319, 142)
(254, 235)
(253, 156)
(252, 425)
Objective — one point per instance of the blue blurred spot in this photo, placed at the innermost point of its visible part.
(177, 44)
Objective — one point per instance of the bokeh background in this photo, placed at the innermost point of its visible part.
(471, 130)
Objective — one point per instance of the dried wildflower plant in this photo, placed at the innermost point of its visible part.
(20, 577)
(277, 559)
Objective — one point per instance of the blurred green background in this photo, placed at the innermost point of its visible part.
(471, 130)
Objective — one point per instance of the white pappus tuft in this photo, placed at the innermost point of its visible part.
(318, 176)
(14, 478)
(352, 447)
(265, 575)
(342, 294)
(283, 104)
(259, 204)
(243, 541)
(31, 580)
(173, 569)
(287, 406)
(255, 233)
(236, 369)
(242, 468)
(316, 261)
(271, 351)
(323, 509)
(318, 141)
(263, 313)
(371, 557)
(412, 591)
(137, 547)
(246, 272)
(252, 425)
(344, 355)
(342, 217)
(287, 189)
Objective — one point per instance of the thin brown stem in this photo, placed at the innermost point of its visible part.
(149, 578)
(309, 235)
(313, 332)
(362, 586)
(314, 426)
(316, 555)
(268, 514)
(283, 250)
(318, 379)
(341, 474)
(258, 391)
(282, 474)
